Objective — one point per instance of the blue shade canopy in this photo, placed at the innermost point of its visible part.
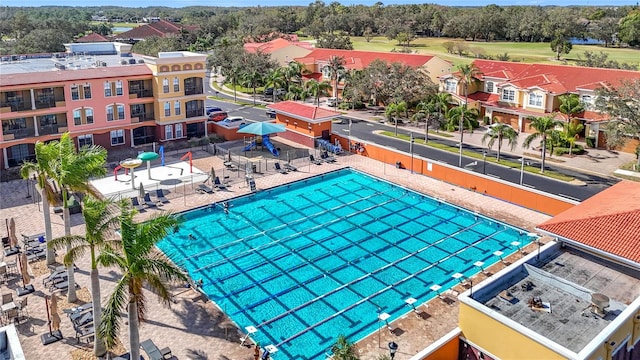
(262, 128)
(148, 156)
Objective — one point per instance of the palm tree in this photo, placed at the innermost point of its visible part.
(251, 78)
(467, 74)
(41, 169)
(336, 71)
(461, 116)
(570, 104)
(99, 224)
(72, 170)
(394, 110)
(343, 349)
(571, 131)
(234, 75)
(293, 73)
(140, 264)
(316, 88)
(501, 132)
(276, 80)
(544, 126)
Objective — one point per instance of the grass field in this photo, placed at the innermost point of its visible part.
(518, 51)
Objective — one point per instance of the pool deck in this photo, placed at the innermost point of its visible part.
(195, 329)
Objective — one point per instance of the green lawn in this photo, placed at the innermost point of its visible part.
(518, 51)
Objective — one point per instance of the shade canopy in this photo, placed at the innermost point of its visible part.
(262, 128)
(53, 309)
(148, 156)
(26, 279)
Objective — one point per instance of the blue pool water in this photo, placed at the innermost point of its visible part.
(308, 261)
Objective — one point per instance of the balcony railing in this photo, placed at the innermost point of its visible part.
(193, 90)
(143, 116)
(18, 133)
(195, 112)
(52, 129)
(17, 105)
(142, 93)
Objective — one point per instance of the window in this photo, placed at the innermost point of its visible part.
(48, 120)
(176, 107)
(120, 108)
(88, 113)
(109, 113)
(117, 137)
(75, 92)
(587, 102)
(168, 132)
(87, 91)
(119, 87)
(107, 89)
(167, 109)
(85, 140)
(176, 84)
(77, 117)
(535, 99)
(450, 85)
(489, 86)
(179, 130)
(165, 85)
(508, 95)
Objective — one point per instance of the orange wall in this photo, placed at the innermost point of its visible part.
(303, 127)
(448, 351)
(514, 194)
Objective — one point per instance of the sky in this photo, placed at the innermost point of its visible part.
(247, 3)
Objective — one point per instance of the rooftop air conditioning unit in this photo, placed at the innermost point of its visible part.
(599, 303)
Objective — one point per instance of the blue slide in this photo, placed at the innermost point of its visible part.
(252, 145)
(267, 143)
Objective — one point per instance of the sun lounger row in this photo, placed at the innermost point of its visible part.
(135, 202)
(217, 184)
(153, 352)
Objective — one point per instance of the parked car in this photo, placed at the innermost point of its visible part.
(218, 116)
(233, 121)
(271, 114)
(211, 109)
(269, 92)
(333, 102)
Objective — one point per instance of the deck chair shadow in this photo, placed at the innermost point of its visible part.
(327, 158)
(313, 160)
(161, 197)
(153, 352)
(148, 202)
(290, 167)
(218, 184)
(279, 168)
(136, 204)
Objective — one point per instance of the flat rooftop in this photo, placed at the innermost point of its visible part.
(22, 64)
(564, 281)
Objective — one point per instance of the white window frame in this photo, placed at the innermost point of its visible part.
(85, 140)
(176, 107)
(77, 117)
(115, 135)
(110, 113)
(179, 133)
(490, 88)
(587, 101)
(165, 86)
(508, 95)
(451, 85)
(120, 111)
(176, 84)
(536, 100)
(75, 92)
(119, 91)
(107, 89)
(168, 132)
(86, 91)
(167, 108)
(88, 115)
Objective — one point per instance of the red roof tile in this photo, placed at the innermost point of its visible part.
(159, 28)
(358, 60)
(554, 78)
(93, 37)
(273, 45)
(608, 221)
(303, 111)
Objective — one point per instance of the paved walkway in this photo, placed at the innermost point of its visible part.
(193, 328)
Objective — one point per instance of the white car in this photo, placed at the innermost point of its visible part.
(332, 102)
(233, 121)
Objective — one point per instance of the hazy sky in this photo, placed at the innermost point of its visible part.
(240, 3)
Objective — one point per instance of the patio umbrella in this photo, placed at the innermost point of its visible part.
(13, 240)
(148, 157)
(262, 128)
(23, 269)
(213, 175)
(53, 309)
(141, 192)
(54, 333)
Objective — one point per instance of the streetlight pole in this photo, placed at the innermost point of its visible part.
(484, 162)
(521, 169)
(349, 136)
(411, 150)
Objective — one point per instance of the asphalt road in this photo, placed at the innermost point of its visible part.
(364, 131)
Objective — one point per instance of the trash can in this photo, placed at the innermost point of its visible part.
(398, 165)
(254, 168)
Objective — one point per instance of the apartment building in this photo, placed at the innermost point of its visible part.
(100, 93)
(510, 92)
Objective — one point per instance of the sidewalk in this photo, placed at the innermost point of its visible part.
(595, 161)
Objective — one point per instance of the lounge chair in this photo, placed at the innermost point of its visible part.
(74, 312)
(160, 196)
(85, 333)
(148, 202)
(313, 160)
(290, 167)
(54, 276)
(136, 204)
(202, 188)
(279, 169)
(327, 158)
(218, 184)
(153, 352)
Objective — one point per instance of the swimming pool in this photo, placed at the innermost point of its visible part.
(307, 261)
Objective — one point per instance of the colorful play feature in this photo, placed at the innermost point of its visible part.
(131, 164)
(269, 145)
(148, 157)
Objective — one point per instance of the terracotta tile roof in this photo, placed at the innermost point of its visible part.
(608, 221)
(273, 45)
(159, 28)
(304, 111)
(554, 78)
(360, 59)
(483, 96)
(93, 37)
(592, 116)
(74, 75)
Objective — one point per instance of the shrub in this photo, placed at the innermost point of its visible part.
(577, 150)
(591, 141)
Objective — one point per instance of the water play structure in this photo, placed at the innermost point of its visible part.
(130, 164)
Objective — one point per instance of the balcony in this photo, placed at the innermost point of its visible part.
(141, 93)
(140, 89)
(16, 105)
(195, 112)
(143, 116)
(53, 129)
(13, 134)
(193, 86)
(193, 90)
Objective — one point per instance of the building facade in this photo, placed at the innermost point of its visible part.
(101, 94)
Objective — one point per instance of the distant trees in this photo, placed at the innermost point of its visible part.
(630, 29)
(560, 45)
(622, 104)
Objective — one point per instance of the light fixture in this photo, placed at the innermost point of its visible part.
(393, 347)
